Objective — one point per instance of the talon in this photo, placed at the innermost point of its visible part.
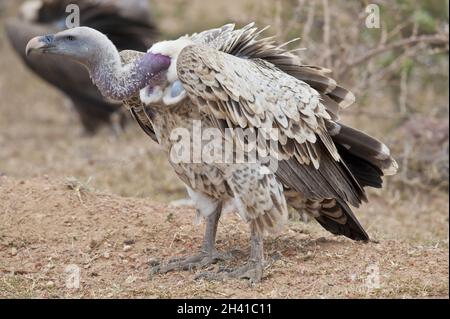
(153, 262)
(154, 270)
(208, 276)
(252, 271)
(201, 260)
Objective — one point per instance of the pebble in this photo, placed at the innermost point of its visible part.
(50, 284)
(130, 279)
(14, 251)
(93, 244)
(126, 248)
(153, 261)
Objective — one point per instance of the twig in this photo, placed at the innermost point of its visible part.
(439, 39)
(326, 34)
(309, 23)
(403, 91)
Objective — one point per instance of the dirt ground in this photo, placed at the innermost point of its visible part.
(47, 225)
(102, 204)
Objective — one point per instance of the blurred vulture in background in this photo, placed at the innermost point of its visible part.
(2, 6)
(128, 24)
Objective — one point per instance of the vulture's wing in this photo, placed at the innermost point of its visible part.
(248, 43)
(252, 93)
(141, 116)
(259, 83)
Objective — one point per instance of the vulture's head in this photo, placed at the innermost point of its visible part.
(154, 73)
(82, 44)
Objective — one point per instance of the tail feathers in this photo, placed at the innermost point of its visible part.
(337, 217)
(360, 145)
(365, 172)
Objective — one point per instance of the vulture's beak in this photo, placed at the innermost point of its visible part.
(40, 44)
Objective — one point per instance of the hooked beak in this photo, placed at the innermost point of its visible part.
(40, 44)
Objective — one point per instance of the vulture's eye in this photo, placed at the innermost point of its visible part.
(70, 38)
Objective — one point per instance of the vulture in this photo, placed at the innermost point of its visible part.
(128, 24)
(234, 81)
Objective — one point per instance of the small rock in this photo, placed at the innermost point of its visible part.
(134, 256)
(93, 243)
(153, 261)
(50, 284)
(127, 248)
(106, 254)
(130, 279)
(13, 251)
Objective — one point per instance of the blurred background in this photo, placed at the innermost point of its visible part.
(398, 72)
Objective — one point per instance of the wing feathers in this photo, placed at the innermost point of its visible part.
(315, 166)
(332, 179)
(252, 83)
(363, 146)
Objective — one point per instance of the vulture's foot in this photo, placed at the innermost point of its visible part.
(253, 271)
(207, 256)
(198, 261)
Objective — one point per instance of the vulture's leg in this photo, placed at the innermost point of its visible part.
(208, 254)
(252, 270)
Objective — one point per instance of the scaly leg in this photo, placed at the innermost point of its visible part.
(252, 270)
(208, 254)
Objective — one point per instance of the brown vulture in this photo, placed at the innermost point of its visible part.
(245, 92)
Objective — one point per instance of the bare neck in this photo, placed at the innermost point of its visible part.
(114, 80)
